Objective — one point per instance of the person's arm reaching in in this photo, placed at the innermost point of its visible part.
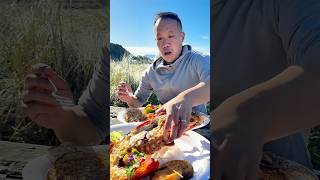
(244, 122)
(285, 104)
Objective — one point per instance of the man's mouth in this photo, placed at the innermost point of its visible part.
(167, 53)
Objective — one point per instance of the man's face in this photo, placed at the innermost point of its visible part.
(169, 39)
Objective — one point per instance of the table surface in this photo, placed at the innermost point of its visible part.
(14, 156)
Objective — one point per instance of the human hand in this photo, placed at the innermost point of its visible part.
(44, 95)
(178, 111)
(237, 146)
(124, 92)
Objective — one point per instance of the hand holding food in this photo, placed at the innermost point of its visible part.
(45, 96)
(124, 92)
(178, 112)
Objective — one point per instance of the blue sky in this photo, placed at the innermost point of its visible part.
(131, 23)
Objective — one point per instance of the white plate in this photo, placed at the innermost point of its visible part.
(36, 169)
(206, 119)
(196, 149)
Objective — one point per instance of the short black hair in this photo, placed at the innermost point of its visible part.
(168, 15)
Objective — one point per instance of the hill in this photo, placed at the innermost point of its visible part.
(117, 53)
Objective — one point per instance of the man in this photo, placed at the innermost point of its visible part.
(82, 124)
(265, 82)
(178, 68)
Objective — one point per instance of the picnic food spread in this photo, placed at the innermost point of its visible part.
(149, 113)
(139, 153)
(141, 114)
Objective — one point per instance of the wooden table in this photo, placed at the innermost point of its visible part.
(14, 156)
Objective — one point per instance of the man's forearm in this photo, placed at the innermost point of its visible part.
(287, 103)
(198, 94)
(78, 129)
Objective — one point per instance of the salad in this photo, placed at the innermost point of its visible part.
(134, 163)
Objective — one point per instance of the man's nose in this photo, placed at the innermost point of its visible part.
(166, 42)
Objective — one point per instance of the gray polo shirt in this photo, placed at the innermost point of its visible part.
(254, 40)
(167, 81)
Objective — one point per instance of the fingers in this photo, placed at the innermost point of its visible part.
(167, 128)
(39, 66)
(34, 82)
(123, 89)
(40, 113)
(46, 72)
(51, 81)
(183, 122)
(38, 69)
(174, 126)
(122, 94)
(173, 119)
(161, 110)
(57, 80)
(176, 121)
(30, 96)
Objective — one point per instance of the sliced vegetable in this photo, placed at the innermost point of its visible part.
(115, 135)
(147, 166)
(129, 171)
(151, 109)
(142, 124)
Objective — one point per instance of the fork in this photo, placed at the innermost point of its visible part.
(64, 101)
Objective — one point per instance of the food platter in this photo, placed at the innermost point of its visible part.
(195, 148)
(204, 118)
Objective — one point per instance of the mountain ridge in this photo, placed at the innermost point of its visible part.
(118, 52)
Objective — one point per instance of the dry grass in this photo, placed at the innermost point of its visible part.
(129, 72)
(70, 41)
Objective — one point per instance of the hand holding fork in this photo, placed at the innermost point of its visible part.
(45, 96)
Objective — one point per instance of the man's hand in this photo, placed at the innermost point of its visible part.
(237, 144)
(234, 160)
(236, 155)
(47, 100)
(42, 86)
(124, 92)
(178, 111)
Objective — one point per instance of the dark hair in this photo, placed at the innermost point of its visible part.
(168, 15)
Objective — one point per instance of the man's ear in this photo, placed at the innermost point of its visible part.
(182, 36)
